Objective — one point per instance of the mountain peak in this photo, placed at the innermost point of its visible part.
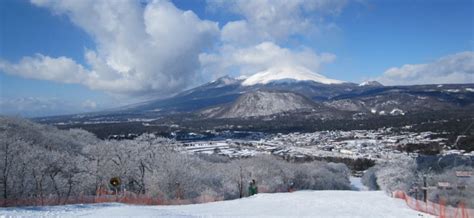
(287, 74)
(225, 80)
(370, 83)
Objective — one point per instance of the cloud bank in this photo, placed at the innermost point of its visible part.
(140, 49)
(154, 48)
(456, 68)
(44, 106)
(61, 69)
(254, 42)
(246, 61)
(274, 20)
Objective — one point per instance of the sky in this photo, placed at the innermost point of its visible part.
(60, 57)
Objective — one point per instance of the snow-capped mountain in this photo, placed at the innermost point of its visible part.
(225, 80)
(286, 74)
(227, 97)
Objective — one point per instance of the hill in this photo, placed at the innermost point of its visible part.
(261, 103)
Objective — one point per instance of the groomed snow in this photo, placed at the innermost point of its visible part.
(296, 204)
(287, 74)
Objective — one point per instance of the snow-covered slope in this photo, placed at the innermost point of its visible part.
(287, 74)
(296, 204)
(261, 103)
(225, 80)
(370, 83)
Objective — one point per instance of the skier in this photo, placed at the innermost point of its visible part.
(253, 189)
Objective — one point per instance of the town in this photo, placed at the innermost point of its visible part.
(378, 145)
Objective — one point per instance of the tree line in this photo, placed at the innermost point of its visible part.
(411, 176)
(42, 162)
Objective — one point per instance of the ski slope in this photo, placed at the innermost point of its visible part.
(296, 204)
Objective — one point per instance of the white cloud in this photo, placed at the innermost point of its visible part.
(89, 104)
(36, 106)
(274, 20)
(139, 49)
(456, 68)
(158, 49)
(252, 59)
(46, 106)
(253, 42)
(59, 69)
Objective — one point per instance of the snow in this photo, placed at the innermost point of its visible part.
(357, 185)
(453, 90)
(370, 83)
(296, 204)
(287, 74)
(224, 81)
(397, 111)
(264, 103)
(242, 77)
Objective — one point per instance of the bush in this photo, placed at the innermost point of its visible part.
(369, 179)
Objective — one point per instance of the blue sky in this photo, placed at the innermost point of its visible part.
(344, 40)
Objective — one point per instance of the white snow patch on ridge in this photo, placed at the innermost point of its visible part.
(288, 74)
(370, 83)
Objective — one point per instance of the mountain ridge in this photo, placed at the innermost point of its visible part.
(350, 98)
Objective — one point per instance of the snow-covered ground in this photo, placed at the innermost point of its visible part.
(296, 204)
(357, 185)
(379, 145)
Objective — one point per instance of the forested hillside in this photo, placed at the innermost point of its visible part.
(41, 163)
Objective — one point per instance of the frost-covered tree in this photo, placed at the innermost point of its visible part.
(44, 163)
(461, 189)
(399, 174)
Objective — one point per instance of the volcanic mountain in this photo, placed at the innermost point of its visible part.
(291, 90)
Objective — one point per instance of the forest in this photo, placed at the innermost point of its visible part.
(41, 164)
(411, 176)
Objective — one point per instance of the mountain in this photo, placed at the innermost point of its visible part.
(370, 83)
(226, 89)
(287, 75)
(372, 97)
(302, 95)
(261, 103)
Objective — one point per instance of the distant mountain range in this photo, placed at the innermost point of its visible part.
(283, 90)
